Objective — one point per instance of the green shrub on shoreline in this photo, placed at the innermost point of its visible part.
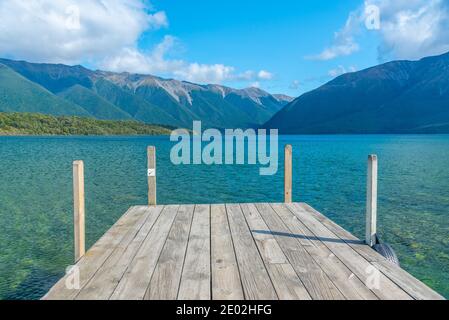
(12, 124)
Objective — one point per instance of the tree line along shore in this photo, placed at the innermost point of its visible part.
(39, 124)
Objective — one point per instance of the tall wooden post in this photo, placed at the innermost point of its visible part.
(371, 202)
(79, 209)
(288, 174)
(152, 200)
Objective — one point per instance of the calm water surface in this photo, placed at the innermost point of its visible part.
(36, 228)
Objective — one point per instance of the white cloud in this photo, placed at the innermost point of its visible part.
(132, 60)
(157, 62)
(72, 31)
(344, 42)
(341, 70)
(295, 85)
(408, 29)
(158, 20)
(265, 75)
(345, 48)
(104, 34)
(203, 73)
(413, 29)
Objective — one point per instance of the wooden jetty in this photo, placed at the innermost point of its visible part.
(249, 251)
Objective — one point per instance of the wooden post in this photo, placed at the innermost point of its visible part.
(79, 209)
(371, 202)
(152, 200)
(288, 174)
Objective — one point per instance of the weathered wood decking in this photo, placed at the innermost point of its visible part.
(246, 251)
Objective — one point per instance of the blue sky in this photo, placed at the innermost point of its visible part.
(283, 46)
(274, 36)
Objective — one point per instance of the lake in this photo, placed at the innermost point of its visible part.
(36, 222)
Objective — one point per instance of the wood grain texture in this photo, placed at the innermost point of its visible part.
(164, 284)
(288, 172)
(135, 281)
(343, 278)
(256, 282)
(79, 209)
(152, 187)
(96, 256)
(315, 280)
(284, 278)
(414, 287)
(196, 277)
(106, 279)
(235, 251)
(226, 283)
(383, 287)
(371, 202)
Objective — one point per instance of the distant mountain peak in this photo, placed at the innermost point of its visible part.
(283, 97)
(395, 97)
(176, 89)
(182, 89)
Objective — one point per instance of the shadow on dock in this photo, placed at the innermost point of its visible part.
(299, 236)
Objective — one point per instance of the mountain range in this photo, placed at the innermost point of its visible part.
(58, 89)
(396, 97)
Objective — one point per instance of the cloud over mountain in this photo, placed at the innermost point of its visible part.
(73, 31)
(158, 62)
(103, 34)
(407, 29)
(413, 29)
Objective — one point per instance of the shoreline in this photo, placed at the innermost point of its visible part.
(18, 135)
(74, 135)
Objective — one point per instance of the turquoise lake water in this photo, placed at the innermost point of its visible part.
(36, 227)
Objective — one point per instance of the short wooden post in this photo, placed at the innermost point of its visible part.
(152, 200)
(288, 174)
(79, 209)
(371, 202)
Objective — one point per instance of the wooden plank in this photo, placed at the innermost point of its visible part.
(152, 191)
(135, 281)
(96, 256)
(164, 284)
(288, 171)
(196, 278)
(355, 243)
(284, 278)
(79, 209)
(417, 289)
(255, 279)
(371, 202)
(315, 280)
(142, 254)
(383, 287)
(226, 284)
(343, 278)
(106, 279)
(287, 283)
(268, 246)
(410, 284)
